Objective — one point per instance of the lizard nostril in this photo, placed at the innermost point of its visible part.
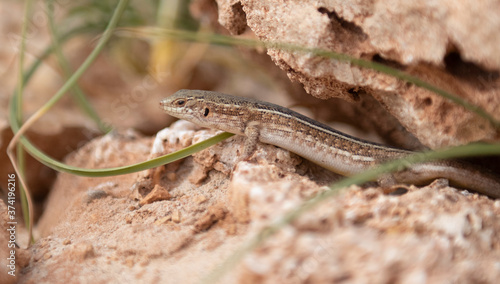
(206, 112)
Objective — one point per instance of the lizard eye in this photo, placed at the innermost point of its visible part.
(180, 102)
(206, 112)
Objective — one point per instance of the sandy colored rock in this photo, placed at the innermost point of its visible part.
(158, 193)
(420, 235)
(9, 270)
(81, 251)
(232, 16)
(113, 149)
(450, 45)
(212, 216)
(366, 236)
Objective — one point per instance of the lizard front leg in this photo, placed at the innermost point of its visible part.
(252, 132)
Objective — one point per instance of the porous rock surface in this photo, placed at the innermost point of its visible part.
(453, 45)
(179, 222)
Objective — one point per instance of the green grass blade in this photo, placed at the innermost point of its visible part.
(150, 32)
(56, 165)
(122, 4)
(79, 95)
(17, 115)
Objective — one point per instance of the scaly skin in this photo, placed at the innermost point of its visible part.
(315, 141)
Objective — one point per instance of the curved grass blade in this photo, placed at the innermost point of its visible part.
(20, 131)
(58, 166)
(26, 204)
(149, 32)
(78, 93)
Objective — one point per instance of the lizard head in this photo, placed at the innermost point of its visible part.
(207, 109)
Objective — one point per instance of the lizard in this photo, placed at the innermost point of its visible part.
(336, 151)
